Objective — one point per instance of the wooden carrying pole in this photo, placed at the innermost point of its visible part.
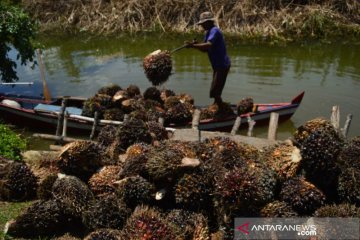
(46, 91)
(273, 125)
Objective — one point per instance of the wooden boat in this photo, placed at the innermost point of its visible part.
(36, 112)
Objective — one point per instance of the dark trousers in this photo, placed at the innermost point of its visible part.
(218, 83)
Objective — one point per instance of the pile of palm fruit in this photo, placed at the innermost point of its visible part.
(132, 184)
(157, 67)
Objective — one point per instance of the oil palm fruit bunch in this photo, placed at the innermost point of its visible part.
(277, 209)
(185, 147)
(109, 90)
(248, 187)
(101, 183)
(72, 195)
(157, 131)
(186, 98)
(119, 97)
(133, 90)
(147, 223)
(106, 212)
(245, 105)
(135, 161)
(157, 67)
(193, 190)
(105, 234)
(171, 101)
(165, 93)
(137, 149)
(41, 219)
(80, 158)
(106, 135)
(179, 114)
(284, 159)
(17, 181)
(135, 191)
(319, 152)
(248, 152)
(349, 186)
(152, 93)
(133, 131)
(187, 222)
(114, 114)
(98, 103)
(302, 195)
(317, 124)
(342, 210)
(350, 154)
(217, 111)
(45, 186)
(132, 104)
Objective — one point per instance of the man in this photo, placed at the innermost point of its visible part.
(214, 45)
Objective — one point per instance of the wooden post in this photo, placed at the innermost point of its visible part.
(93, 130)
(345, 130)
(196, 119)
(251, 126)
(335, 117)
(273, 125)
(61, 116)
(236, 126)
(126, 117)
(64, 130)
(161, 121)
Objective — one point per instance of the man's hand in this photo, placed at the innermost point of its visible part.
(190, 44)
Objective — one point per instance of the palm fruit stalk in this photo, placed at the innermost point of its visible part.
(41, 219)
(80, 158)
(72, 195)
(302, 195)
(106, 212)
(17, 181)
(147, 224)
(157, 67)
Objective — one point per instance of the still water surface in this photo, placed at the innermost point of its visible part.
(329, 74)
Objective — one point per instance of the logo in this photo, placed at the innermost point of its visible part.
(244, 228)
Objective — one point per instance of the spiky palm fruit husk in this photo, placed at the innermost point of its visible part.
(216, 111)
(277, 209)
(114, 114)
(185, 147)
(131, 132)
(186, 98)
(135, 191)
(80, 158)
(303, 132)
(284, 159)
(157, 131)
(131, 105)
(17, 181)
(72, 195)
(245, 105)
(105, 234)
(106, 212)
(319, 152)
(109, 90)
(106, 135)
(133, 166)
(45, 186)
(179, 114)
(41, 219)
(101, 183)
(98, 103)
(350, 154)
(133, 90)
(152, 93)
(349, 186)
(112, 153)
(157, 67)
(149, 224)
(193, 190)
(248, 187)
(163, 164)
(191, 225)
(139, 114)
(204, 151)
(302, 195)
(171, 102)
(137, 149)
(342, 210)
(248, 152)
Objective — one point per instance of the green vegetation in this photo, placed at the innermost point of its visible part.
(17, 30)
(8, 211)
(11, 144)
(254, 20)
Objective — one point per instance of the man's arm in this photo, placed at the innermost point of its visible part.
(204, 47)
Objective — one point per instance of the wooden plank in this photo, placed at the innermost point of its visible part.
(64, 131)
(273, 126)
(236, 125)
(56, 138)
(96, 121)
(251, 126)
(335, 117)
(196, 119)
(61, 117)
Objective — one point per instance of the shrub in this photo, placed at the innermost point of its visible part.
(11, 144)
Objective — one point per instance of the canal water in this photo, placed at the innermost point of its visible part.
(328, 73)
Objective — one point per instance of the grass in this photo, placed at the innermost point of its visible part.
(8, 211)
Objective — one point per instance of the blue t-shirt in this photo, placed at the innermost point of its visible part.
(217, 53)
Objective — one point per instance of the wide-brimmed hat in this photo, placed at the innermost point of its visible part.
(204, 17)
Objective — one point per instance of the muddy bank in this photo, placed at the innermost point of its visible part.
(280, 20)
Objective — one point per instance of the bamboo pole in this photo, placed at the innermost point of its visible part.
(196, 119)
(56, 138)
(96, 121)
(273, 126)
(61, 116)
(236, 126)
(46, 91)
(64, 131)
(335, 117)
(251, 126)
